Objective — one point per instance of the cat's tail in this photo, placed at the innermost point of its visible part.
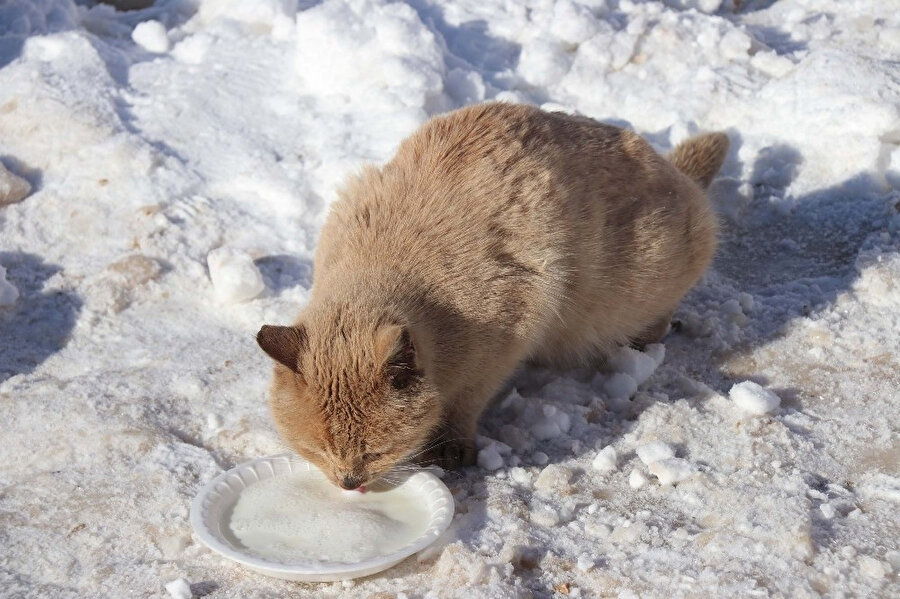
(701, 156)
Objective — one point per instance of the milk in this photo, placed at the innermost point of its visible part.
(303, 517)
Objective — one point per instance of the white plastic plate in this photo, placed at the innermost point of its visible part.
(214, 503)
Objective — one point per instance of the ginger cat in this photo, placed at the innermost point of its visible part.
(498, 234)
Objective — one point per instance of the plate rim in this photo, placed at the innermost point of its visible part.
(439, 523)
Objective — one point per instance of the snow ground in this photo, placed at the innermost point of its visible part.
(127, 380)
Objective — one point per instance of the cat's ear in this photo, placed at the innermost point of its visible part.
(395, 349)
(283, 344)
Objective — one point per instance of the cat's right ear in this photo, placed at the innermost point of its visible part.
(283, 344)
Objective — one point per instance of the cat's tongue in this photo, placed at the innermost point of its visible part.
(362, 489)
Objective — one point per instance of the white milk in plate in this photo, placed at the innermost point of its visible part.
(302, 516)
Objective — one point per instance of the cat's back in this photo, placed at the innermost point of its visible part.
(480, 184)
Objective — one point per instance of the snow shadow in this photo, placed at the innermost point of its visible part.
(283, 271)
(469, 45)
(39, 323)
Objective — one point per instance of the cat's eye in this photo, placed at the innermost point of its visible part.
(402, 378)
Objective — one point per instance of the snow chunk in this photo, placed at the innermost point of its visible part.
(213, 422)
(735, 45)
(540, 458)
(151, 36)
(654, 451)
(360, 51)
(543, 62)
(705, 6)
(8, 292)
(13, 188)
(179, 588)
(871, 567)
(585, 562)
(671, 470)
(620, 386)
(260, 15)
(638, 365)
(772, 64)
(545, 516)
(520, 475)
(636, 479)
(573, 23)
(234, 275)
(551, 424)
(489, 458)
(193, 49)
(553, 476)
(753, 399)
(605, 460)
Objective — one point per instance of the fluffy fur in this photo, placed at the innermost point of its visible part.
(497, 234)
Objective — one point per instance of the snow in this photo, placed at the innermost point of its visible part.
(13, 188)
(654, 451)
(234, 275)
(8, 292)
(638, 365)
(151, 36)
(671, 470)
(179, 588)
(620, 385)
(489, 458)
(605, 461)
(168, 204)
(637, 479)
(754, 399)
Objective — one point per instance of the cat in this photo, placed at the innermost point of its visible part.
(498, 234)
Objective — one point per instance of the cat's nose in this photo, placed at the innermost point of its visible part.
(350, 482)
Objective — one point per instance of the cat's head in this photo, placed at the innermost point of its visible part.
(350, 396)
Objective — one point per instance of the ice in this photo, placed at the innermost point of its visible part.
(234, 275)
(605, 460)
(654, 451)
(489, 458)
(671, 470)
(151, 36)
(8, 292)
(753, 399)
(13, 188)
(179, 588)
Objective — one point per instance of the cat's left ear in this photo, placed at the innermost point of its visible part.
(283, 344)
(396, 350)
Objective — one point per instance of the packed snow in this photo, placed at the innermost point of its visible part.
(165, 173)
(753, 398)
